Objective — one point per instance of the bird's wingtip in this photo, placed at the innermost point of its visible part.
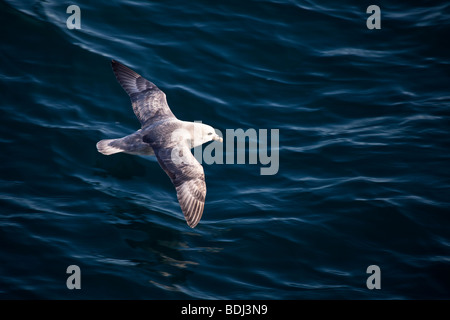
(192, 225)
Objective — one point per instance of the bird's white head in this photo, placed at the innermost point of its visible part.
(203, 133)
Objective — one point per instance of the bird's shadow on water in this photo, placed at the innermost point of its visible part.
(160, 248)
(141, 205)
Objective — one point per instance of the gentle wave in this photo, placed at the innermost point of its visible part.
(363, 151)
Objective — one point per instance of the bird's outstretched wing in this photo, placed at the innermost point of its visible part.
(187, 176)
(148, 101)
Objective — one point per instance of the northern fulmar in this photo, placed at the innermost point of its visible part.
(165, 137)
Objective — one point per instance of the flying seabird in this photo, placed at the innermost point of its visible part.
(165, 137)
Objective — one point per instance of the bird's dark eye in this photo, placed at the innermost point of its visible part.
(209, 133)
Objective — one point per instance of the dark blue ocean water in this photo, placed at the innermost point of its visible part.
(364, 140)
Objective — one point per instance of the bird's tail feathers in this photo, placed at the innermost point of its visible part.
(105, 147)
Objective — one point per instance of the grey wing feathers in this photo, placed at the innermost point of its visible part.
(148, 101)
(188, 178)
(191, 196)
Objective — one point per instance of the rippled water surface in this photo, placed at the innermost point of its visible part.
(363, 118)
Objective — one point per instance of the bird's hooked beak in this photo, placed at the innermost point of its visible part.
(218, 138)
